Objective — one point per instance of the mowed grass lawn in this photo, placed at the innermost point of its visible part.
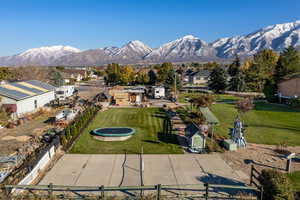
(295, 180)
(148, 123)
(218, 97)
(267, 123)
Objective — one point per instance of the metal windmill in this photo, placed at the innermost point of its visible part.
(237, 133)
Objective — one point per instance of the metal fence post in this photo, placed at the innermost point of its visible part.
(251, 175)
(102, 191)
(50, 190)
(206, 190)
(6, 191)
(288, 165)
(261, 192)
(158, 189)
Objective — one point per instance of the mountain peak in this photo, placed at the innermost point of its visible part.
(185, 49)
(135, 42)
(189, 37)
(54, 48)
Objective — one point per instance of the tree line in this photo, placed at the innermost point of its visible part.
(165, 74)
(261, 73)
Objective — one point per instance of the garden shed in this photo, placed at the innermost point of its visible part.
(195, 138)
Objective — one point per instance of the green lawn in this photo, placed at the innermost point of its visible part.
(148, 123)
(219, 97)
(267, 123)
(295, 179)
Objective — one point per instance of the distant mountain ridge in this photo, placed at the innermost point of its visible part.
(186, 49)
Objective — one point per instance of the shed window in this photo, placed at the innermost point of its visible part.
(35, 104)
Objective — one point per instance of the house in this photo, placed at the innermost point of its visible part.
(25, 96)
(126, 96)
(289, 87)
(199, 77)
(75, 74)
(186, 75)
(195, 138)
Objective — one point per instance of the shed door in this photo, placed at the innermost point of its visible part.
(197, 141)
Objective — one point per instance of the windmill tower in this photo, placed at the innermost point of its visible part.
(237, 134)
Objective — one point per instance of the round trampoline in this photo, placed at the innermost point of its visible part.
(113, 134)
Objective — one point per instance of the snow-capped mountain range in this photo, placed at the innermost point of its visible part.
(185, 49)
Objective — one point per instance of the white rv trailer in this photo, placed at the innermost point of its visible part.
(158, 92)
(65, 91)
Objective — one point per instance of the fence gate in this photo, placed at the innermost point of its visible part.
(254, 180)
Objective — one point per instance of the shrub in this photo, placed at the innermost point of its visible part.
(270, 90)
(204, 100)
(245, 105)
(63, 140)
(276, 185)
(68, 133)
(294, 102)
(213, 146)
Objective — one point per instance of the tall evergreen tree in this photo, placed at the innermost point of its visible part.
(261, 69)
(170, 80)
(238, 82)
(56, 78)
(218, 80)
(152, 77)
(113, 74)
(234, 66)
(288, 63)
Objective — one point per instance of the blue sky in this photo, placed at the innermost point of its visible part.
(87, 24)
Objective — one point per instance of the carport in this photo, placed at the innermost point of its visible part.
(211, 119)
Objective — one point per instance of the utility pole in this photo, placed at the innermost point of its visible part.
(175, 86)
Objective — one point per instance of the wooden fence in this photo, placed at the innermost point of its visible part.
(200, 191)
(254, 180)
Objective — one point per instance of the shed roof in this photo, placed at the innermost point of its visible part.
(209, 116)
(192, 129)
(24, 89)
(205, 73)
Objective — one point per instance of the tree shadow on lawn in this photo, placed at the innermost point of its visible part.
(160, 114)
(167, 138)
(151, 141)
(290, 128)
(275, 107)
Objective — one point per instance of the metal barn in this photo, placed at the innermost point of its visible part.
(26, 96)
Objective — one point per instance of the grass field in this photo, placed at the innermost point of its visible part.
(148, 123)
(295, 179)
(219, 97)
(267, 123)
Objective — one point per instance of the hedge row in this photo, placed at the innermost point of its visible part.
(80, 123)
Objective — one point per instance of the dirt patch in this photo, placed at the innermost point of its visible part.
(23, 138)
(15, 138)
(261, 156)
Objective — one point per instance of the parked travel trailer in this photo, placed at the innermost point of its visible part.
(158, 92)
(65, 91)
